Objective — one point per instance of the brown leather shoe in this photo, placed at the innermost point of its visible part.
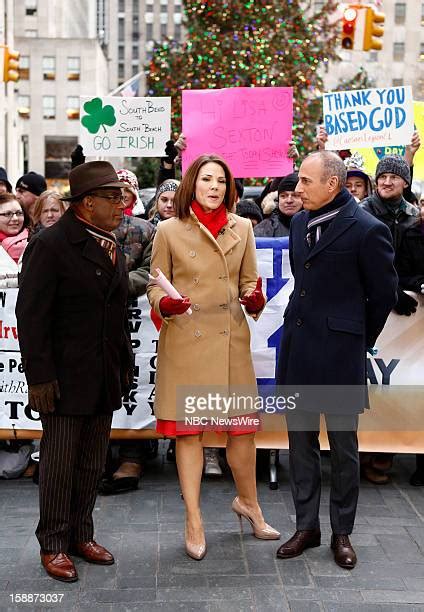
(375, 476)
(308, 538)
(92, 552)
(344, 555)
(59, 566)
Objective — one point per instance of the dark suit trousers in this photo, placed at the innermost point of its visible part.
(72, 458)
(305, 469)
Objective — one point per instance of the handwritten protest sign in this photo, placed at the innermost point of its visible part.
(250, 127)
(124, 126)
(368, 117)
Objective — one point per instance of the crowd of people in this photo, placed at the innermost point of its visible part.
(92, 250)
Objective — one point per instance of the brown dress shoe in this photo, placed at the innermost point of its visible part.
(92, 552)
(59, 566)
(344, 555)
(375, 476)
(308, 538)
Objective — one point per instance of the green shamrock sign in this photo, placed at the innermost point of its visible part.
(97, 115)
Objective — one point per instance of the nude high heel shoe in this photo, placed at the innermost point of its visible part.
(195, 551)
(264, 533)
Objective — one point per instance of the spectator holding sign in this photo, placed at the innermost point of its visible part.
(392, 176)
(209, 255)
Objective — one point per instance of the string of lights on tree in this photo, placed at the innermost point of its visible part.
(250, 43)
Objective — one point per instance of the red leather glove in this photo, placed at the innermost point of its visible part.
(170, 306)
(255, 301)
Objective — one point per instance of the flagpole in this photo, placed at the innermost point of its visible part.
(126, 84)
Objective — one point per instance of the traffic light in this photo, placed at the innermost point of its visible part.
(10, 65)
(374, 30)
(350, 15)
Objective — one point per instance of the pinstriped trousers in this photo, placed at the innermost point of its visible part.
(72, 458)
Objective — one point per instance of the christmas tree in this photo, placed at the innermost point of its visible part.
(242, 43)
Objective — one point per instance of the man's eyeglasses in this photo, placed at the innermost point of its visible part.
(116, 198)
(9, 215)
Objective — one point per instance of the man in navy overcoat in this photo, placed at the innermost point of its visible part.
(345, 286)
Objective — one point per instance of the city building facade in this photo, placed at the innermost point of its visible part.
(62, 58)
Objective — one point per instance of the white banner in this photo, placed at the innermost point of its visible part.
(368, 117)
(124, 126)
(400, 358)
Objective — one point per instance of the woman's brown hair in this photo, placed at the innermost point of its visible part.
(185, 192)
(39, 202)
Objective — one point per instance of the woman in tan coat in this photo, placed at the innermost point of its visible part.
(208, 253)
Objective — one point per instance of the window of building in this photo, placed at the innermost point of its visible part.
(49, 107)
(135, 27)
(135, 52)
(24, 67)
(136, 7)
(121, 29)
(373, 56)
(24, 106)
(400, 12)
(398, 51)
(318, 4)
(31, 33)
(163, 30)
(74, 68)
(73, 107)
(121, 71)
(421, 54)
(121, 52)
(177, 31)
(30, 7)
(121, 6)
(149, 31)
(49, 68)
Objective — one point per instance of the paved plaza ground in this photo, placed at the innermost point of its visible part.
(144, 530)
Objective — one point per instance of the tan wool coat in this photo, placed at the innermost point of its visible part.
(211, 346)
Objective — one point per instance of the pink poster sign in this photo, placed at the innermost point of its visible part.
(250, 127)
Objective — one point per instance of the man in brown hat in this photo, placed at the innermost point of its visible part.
(76, 352)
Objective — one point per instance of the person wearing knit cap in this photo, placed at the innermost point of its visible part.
(132, 201)
(392, 176)
(163, 207)
(28, 188)
(5, 186)
(248, 209)
(357, 182)
(289, 203)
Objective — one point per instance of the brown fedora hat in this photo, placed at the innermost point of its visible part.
(92, 175)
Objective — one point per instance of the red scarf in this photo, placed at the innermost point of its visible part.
(214, 220)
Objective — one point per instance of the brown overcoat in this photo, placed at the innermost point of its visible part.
(212, 345)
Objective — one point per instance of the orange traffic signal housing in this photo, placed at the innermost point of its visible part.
(10, 65)
(374, 30)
